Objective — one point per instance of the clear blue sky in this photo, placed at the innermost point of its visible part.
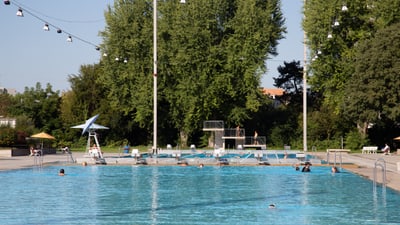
(28, 54)
(290, 48)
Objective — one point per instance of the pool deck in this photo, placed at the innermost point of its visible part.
(362, 164)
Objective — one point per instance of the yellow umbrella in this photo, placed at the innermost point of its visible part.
(397, 138)
(43, 135)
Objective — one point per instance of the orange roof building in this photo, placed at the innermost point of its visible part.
(273, 92)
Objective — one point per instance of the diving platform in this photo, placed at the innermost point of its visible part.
(255, 142)
(213, 125)
(237, 133)
(232, 138)
(257, 147)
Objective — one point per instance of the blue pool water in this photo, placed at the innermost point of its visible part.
(191, 195)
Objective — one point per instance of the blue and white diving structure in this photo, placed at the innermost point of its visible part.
(93, 151)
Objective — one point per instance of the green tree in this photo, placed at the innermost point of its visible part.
(290, 79)
(86, 95)
(8, 136)
(40, 105)
(85, 99)
(333, 38)
(211, 57)
(372, 93)
(5, 103)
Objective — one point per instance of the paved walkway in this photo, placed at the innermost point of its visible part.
(362, 164)
(18, 162)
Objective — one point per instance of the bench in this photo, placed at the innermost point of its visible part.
(369, 150)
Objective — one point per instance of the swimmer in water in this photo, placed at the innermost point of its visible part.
(306, 167)
(61, 173)
(335, 169)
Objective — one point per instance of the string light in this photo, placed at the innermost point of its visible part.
(20, 13)
(47, 25)
(336, 23)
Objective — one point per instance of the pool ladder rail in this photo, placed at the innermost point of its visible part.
(38, 158)
(380, 163)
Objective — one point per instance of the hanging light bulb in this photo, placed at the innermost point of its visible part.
(46, 27)
(6, 2)
(336, 23)
(20, 13)
(105, 54)
(125, 60)
(116, 58)
(59, 31)
(183, 1)
(97, 48)
(344, 8)
(329, 35)
(69, 39)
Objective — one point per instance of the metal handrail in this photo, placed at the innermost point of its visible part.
(382, 164)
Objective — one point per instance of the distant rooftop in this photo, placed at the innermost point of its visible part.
(10, 91)
(273, 92)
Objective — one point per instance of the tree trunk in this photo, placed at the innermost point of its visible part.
(183, 138)
(363, 129)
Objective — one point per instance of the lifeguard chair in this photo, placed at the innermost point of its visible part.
(93, 152)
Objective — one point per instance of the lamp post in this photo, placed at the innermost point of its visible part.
(304, 86)
(154, 75)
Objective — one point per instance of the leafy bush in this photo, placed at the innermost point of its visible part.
(8, 136)
(355, 141)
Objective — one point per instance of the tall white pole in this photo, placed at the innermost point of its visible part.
(304, 85)
(155, 75)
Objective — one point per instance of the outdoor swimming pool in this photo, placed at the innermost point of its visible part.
(191, 195)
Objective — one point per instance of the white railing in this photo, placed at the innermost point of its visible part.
(213, 124)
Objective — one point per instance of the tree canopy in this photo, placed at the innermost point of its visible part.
(333, 35)
(211, 55)
(372, 93)
(352, 62)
